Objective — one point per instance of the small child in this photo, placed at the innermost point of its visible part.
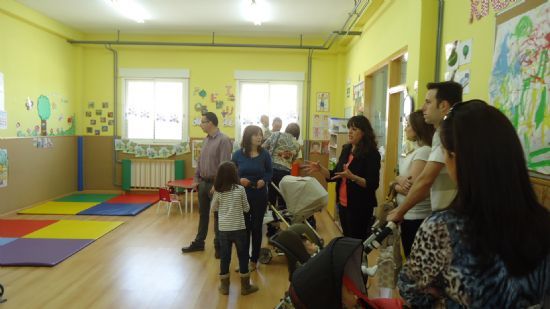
(311, 248)
(229, 200)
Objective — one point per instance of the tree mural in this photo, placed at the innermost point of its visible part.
(44, 112)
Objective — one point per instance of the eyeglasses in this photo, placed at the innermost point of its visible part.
(205, 121)
(453, 109)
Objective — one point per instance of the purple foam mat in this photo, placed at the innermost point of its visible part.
(119, 209)
(40, 251)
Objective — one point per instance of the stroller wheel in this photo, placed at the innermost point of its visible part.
(265, 256)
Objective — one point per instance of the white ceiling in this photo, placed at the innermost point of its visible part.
(288, 18)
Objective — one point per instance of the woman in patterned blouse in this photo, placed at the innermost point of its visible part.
(490, 248)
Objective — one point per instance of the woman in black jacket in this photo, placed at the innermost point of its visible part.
(357, 175)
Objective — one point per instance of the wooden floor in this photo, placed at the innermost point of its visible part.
(140, 265)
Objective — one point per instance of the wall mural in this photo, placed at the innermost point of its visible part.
(519, 84)
(50, 117)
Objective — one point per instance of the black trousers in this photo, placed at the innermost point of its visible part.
(356, 222)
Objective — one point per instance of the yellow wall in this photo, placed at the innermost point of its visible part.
(394, 26)
(36, 60)
(482, 32)
(211, 69)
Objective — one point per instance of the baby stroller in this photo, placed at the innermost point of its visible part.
(318, 283)
(303, 196)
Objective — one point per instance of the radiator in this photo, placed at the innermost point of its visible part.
(150, 174)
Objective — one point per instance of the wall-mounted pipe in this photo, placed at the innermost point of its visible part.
(115, 112)
(438, 40)
(308, 104)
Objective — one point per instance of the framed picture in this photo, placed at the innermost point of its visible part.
(104, 128)
(105, 104)
(98, 112)
(322, 101)
(89, 130)
(88, 114)
(91, 104)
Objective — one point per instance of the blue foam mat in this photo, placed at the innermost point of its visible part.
(108, 209)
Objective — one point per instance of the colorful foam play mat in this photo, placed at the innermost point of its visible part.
(95, 205)
(47, 242)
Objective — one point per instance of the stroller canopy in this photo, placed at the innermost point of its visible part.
(303, 196)
(318, 283)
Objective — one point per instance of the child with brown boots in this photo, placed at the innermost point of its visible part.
(229, 200)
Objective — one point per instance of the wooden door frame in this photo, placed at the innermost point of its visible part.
(393, 107)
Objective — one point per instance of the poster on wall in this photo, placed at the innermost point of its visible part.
(322, 101)
(320, 127)
(358, 98)
(196, 146)
(519, 82)
(3, 168)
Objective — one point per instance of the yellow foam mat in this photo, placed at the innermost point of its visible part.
(58, 208)
(74, 229)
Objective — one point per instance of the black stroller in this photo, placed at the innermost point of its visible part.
(318, 283)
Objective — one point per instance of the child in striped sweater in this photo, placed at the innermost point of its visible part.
(229, 200)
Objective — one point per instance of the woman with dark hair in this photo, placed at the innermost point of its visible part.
(255, 172)
(420, 134)
(490, 248)
(357, 175)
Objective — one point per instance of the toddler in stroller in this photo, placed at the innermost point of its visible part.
(303, 196)
(333, 279)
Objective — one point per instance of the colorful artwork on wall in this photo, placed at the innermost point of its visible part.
(519, 82)
(3, 168)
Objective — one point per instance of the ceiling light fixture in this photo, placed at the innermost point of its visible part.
(130, 9)
(256, 12)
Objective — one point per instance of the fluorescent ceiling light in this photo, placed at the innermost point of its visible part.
(255, 11)
(130, 9)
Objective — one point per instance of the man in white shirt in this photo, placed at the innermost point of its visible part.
(434, 179)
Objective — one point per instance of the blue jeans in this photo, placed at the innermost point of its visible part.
(226, 239)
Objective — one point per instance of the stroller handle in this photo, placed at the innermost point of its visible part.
(377, 236)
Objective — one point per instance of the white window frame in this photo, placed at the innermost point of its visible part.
(128, 74)
(270, 77)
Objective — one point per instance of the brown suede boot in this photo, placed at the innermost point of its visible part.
(224, 284)
(246, 287)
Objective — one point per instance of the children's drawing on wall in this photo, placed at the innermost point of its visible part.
(464, 52)
(164, 152)
(196, 146)
(229, 93)
(181, 148)
(44, 113)
(105, 104)
(140, 151)
(88, 114)
(315, 147)
(320, 127)
(120, 144)
(197, 121)
(91, 105)
(519, 81)
(480, 8)
(358, 96)
(322, 101)
(29, 104)
(152, 152)
(462, 76)
(199, 107)
(42, 142)
(228, 122)
(3, 168)
(324, 147)
(458, 54)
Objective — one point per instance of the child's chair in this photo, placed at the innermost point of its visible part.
(166, 197)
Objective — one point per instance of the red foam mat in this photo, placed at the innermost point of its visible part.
(134, 199)
(20, 228)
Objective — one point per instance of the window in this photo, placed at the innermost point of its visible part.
(155, 107)
(276, 94)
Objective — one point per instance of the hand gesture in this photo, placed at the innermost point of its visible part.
(312, 167)
(245, 182)
(345, 173)
(260, 184)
